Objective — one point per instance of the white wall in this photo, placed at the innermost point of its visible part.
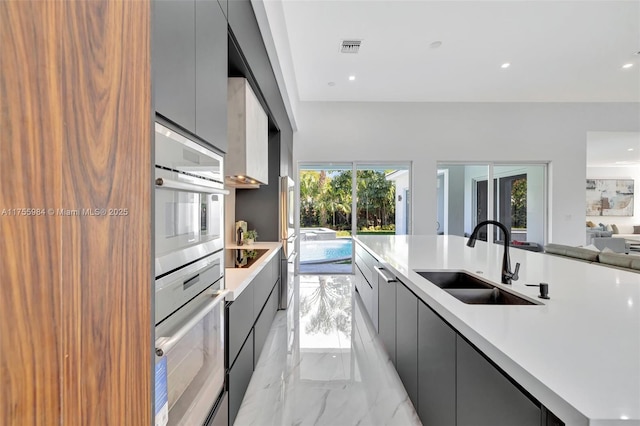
(618, 173)
(425, 133)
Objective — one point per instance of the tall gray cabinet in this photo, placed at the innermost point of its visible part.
(190, 67)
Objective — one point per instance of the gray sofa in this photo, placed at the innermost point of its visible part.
(616, 260)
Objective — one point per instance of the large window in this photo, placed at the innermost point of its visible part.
(513, 194)
(340, 200)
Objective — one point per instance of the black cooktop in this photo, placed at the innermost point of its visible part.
(242, 258)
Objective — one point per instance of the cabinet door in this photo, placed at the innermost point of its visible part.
(211, 73)
(239, 322)
(239, 378)
(387, 315)
(364, 290)
(436, 369)
(262, 284)
(407, 340)
(485, 396)
(263, 324)
(174, 61)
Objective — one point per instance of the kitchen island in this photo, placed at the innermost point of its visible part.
(577, 353)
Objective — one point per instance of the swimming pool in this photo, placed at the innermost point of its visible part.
(325, 251)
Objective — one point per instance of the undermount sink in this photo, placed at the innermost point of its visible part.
(472, 290)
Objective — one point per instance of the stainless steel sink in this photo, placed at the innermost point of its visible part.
(473, 290)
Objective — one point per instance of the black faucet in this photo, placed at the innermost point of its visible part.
(507, 275)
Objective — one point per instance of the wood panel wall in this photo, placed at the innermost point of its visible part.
(75, 291)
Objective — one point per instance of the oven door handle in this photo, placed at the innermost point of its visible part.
(191, 187)
(164, 344)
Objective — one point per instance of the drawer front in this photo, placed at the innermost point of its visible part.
(365, 291)
(262, 285)
(239, 378)
(240, 320)
(263, 324)
(366, 262)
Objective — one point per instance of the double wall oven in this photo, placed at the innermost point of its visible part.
(189, 284)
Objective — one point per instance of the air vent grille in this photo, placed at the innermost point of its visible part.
(350, 46)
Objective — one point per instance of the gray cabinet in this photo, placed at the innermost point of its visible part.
(486, 397)
(174, 61)
(239, 377)
(262, 285)
(407, 340)
(211, 72)
(263, 323)
(436, 369)
(367, 282)
(190, 67)
(387, 315)
(249, 319)
(239, 322)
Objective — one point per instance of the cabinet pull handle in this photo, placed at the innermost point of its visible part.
(189, 187)
(164, 344)
(387, 278)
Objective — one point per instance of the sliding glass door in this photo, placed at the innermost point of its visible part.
(341, 200)
(513, 194)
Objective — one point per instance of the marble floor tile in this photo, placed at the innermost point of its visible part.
(322, 364)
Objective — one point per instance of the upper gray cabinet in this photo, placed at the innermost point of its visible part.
(190, 67)
(174, 61)
(211, 73)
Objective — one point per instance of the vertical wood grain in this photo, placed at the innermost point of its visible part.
(106, 260)
(75, 291)
(30, 158)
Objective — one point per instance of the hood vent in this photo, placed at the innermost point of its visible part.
(350, 46)
(247, 157)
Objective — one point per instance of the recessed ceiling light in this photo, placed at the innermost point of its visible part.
(627, 66)
(630, 149)
(331, 83)
(352, 77)
(505, 65)
(435, 44)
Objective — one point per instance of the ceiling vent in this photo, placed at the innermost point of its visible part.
(350, 46)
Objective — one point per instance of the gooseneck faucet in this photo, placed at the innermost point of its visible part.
(507, 275)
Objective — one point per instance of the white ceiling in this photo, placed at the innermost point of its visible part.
(569, 51)
(611, 149)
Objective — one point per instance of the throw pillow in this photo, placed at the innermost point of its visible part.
(609, 228)
(615, 229)
(591, 224)
(636, 229)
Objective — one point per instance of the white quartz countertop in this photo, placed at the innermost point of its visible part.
(578, 353)
(237, 279)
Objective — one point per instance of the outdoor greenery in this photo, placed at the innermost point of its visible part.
(519, 204)
(325, 200)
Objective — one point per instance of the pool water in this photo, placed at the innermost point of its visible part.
(325, 251)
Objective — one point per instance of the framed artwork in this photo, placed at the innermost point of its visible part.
(609, 197)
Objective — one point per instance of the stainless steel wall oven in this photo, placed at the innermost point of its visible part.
(189, 285)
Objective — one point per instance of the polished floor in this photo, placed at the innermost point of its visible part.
(323, 365)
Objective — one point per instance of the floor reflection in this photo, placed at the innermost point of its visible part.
(323, 365)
